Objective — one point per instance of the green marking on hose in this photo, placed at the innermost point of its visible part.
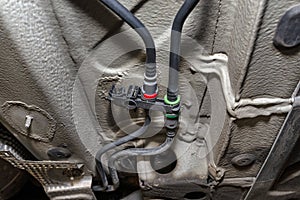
(172, 103)
(171, 116)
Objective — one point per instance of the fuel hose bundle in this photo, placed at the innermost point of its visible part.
(148, 91)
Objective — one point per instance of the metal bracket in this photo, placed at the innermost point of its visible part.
(132, 99)
(61, 180)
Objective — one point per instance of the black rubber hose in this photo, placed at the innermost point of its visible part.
(140, 28)
(178, 22)
(112, 145)
(135, 152)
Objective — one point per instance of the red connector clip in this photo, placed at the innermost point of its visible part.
(150, 96)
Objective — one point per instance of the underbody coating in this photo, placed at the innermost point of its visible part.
(47, 45)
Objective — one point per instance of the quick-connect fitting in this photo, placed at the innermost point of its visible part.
(173, 103)
(171, 133)
(176, 103)
(149, 89)
(172, 93)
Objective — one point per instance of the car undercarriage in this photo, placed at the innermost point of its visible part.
(149, 99)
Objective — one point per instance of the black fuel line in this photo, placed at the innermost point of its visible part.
(149, 90)
(135, 152)
(181, 16)
(150, 84)
(105, 186)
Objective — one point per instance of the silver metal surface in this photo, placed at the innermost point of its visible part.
(56, 177)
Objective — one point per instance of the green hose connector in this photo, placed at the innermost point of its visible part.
(172, 103)
(171, 116)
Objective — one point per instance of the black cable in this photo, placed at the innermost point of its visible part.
(140, 28)
(135, 152)
(178, 22)
(112, 145)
